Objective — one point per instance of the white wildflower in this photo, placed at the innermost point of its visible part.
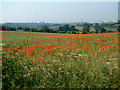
(24, 75)
(2, 44)
(108, 63)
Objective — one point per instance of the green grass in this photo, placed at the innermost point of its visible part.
(38, 60)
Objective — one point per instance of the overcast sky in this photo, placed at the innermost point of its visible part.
(56, 12)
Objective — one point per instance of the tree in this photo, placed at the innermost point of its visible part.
(73, 32)
(12, 28)
(19, 28)
(53, 31)
(45, 28)
(34, 30)
(27, 29)
(97, 27)
(72, 28)
(118, 29)
(60, 28)
(86, 28)
(4, 27)
(102, 30)
(66, 27)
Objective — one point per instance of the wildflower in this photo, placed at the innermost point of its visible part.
(28, 47)
(13, 59)
(32, 62)
(80, 55)
(2, 44)
(40, 50)
(66, 59)
(116, 46)
(43, 61)
(35, 42)
(39, 58)
(38, 55)
(108, 63)
(24, 75)
(3, 60)
(54, 53)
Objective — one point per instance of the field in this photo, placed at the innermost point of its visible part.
(46, 60)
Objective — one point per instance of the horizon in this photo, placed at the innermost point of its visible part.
(58, 12)
(114, 21)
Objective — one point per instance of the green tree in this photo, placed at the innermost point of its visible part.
(97, 27)
(19, 28)
(60, 28)
(103, 30)
(45, 28)
(73, 32)
(118, 29)
(4, 27)
(34, 30)
(27, 29)
(86, 28)
(66, 27)
(72, 28)
(12, 28)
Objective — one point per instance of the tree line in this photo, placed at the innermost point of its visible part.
(63, 29)
(98, 28)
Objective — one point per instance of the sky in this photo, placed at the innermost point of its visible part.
(59, 0)
(58, 12)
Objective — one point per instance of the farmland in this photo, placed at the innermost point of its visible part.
(51, 60)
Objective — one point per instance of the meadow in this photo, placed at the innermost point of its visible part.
(47, 60)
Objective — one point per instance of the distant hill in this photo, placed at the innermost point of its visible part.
(31, 25)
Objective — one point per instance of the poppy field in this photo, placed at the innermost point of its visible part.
(48, 60)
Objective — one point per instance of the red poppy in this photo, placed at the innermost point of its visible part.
(43, 61)
(32, 62)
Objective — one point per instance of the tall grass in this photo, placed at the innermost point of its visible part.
(77, 61)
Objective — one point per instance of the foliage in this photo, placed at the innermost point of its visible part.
(44, 60)
(19, 28)
(103, 30)
(67, 28)
(8, 28)
(45, 28)
(118, 29)
(97, 27)
(86, 28)
(27, 29)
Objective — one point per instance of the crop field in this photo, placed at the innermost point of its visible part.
(48, 60)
